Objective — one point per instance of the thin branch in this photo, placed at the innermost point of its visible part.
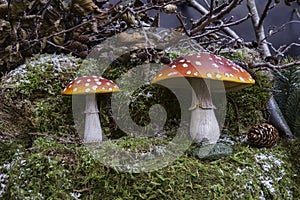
(275, 67)
(289, 46)
(223, 25)
(281, 28)
(63, 48)
(70, 29)
(183, 24)
(258, 28)
(265, 13)
(204, 11)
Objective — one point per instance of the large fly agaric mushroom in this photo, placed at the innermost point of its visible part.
(202, 69)
(90, 86)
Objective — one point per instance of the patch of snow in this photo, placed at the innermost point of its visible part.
(270, 164)
(75, 195)
(3, 180)
(268, 183)
(227, 140)
(262, 195)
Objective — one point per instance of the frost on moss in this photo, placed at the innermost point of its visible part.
(50, 168)
(30, 95)
(55, 171)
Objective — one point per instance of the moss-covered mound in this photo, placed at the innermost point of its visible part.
(41, 158)
(56, 171)
(30, 97)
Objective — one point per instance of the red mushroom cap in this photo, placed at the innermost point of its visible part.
(90, 85)
(207, 66)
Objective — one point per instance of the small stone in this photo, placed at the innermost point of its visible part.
(212, 151)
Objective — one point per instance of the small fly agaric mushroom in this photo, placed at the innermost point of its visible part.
(90, 86)
(202, 69)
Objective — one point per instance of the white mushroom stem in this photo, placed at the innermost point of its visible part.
(204, 124)
(92, 129)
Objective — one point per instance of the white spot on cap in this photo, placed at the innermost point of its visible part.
(70, 86)
(108, 83)
(231, 75)
(235, 68)
(96, 79)
(87, 84)
(87, 90)
(182, 60)
(65, 89)
(98, 83)
(210, 58)
(226, 74)
(209, 75)
(75, 89)
(215, 65)
(88, 80)
(221, 63)
(78, 81)
(196, 74)
(110, 89)
(185, 65)
(218, 57)
(95, 87)
(198, 63)
(229, 63)
(241, 78)
(218, 76)
(188, 61)
(103, 88)
(188, 72)
(159, 75)
(172, 73)
(173, 66)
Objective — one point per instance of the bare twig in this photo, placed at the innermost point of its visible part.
(204, 11)
(281, 28)
(224, 25)
(289, 46)
(183, 24)
(275, 67)
(258, 28)
(265, 13)
(71, 29)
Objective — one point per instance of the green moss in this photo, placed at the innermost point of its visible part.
(52, 170)
(53, 167)
(245, 107)
(31, 94)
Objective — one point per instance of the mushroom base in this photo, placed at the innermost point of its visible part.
(204, 126)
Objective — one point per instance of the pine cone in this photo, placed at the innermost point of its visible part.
(263, 135)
